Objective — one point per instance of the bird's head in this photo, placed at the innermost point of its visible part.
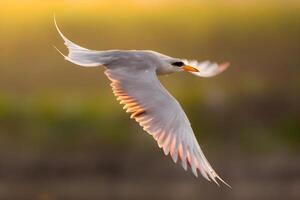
(168, 65)
(171, 65)
(179, 65)
(202, 69)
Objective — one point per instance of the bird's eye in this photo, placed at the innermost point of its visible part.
(178, 64)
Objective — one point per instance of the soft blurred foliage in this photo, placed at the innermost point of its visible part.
(63, 135)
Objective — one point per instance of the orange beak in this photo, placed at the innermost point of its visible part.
(190, 68)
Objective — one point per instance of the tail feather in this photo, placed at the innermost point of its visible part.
(80, 55)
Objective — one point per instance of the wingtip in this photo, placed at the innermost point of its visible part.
(224, 182)
(224, 65)
(218, 184)
(215, 177)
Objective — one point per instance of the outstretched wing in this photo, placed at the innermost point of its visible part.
(151, 105)
(207, 68)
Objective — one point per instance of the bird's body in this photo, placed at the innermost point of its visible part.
(136, 60)
(133, 74)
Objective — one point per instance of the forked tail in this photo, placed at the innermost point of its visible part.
(82, 56)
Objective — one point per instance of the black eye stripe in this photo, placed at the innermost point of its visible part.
(178, 64)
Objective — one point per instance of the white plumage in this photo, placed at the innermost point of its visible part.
(135, 84)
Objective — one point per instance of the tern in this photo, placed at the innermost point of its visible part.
(133, 75)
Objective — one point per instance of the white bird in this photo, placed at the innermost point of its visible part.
(133, 74)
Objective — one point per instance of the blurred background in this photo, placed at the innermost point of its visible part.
(64, 136)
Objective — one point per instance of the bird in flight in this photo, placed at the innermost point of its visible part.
(133, 75)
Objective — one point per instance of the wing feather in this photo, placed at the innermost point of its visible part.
(207, 68)
(150, 104)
